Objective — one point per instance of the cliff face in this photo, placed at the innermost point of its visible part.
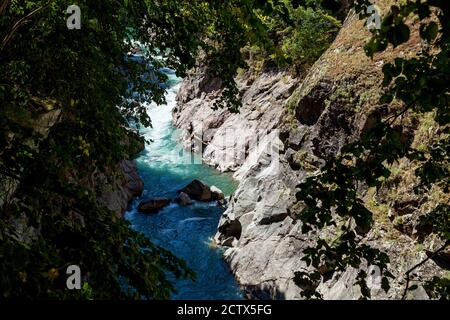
(119, 188)
(116, 188)
(284, 130)
(227, 139)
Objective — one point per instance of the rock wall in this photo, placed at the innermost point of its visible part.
(226, 139)
(117, 190)
(296, 123)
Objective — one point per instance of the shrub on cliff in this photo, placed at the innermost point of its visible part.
(312, 34)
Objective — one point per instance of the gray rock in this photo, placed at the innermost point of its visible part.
(134, 183)
(198, 190)
(153, 205)
(117, 191)
(229, 228)
(223, 203)
(229, 138)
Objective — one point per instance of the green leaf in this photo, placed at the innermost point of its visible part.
(429, 32)
(413, 287)
(387, 98)
(398, 34)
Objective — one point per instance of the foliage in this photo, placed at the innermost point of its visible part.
(313, 32)
(302, 36)
(439, 288)
(420, 85)
(86, 74)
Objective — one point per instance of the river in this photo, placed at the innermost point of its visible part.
(186, 231)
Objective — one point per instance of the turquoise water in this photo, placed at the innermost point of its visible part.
(186, 231)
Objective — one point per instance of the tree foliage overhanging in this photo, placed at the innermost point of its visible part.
(85, 74)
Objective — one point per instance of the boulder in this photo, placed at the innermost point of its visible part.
(184, 199)
(198, 190)
(216, 193)
(153, 205)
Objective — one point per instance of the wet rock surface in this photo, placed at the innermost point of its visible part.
(153, 205)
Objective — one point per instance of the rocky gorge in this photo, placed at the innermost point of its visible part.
(286, 127)
(225, 150)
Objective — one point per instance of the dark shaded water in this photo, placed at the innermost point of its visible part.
(186, 231)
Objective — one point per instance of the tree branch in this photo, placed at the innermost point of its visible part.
(395, 116)
(4, 5)
(408, 273)
(19, 23)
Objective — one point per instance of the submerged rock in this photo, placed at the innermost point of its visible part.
(153, 205)
(198, 190)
